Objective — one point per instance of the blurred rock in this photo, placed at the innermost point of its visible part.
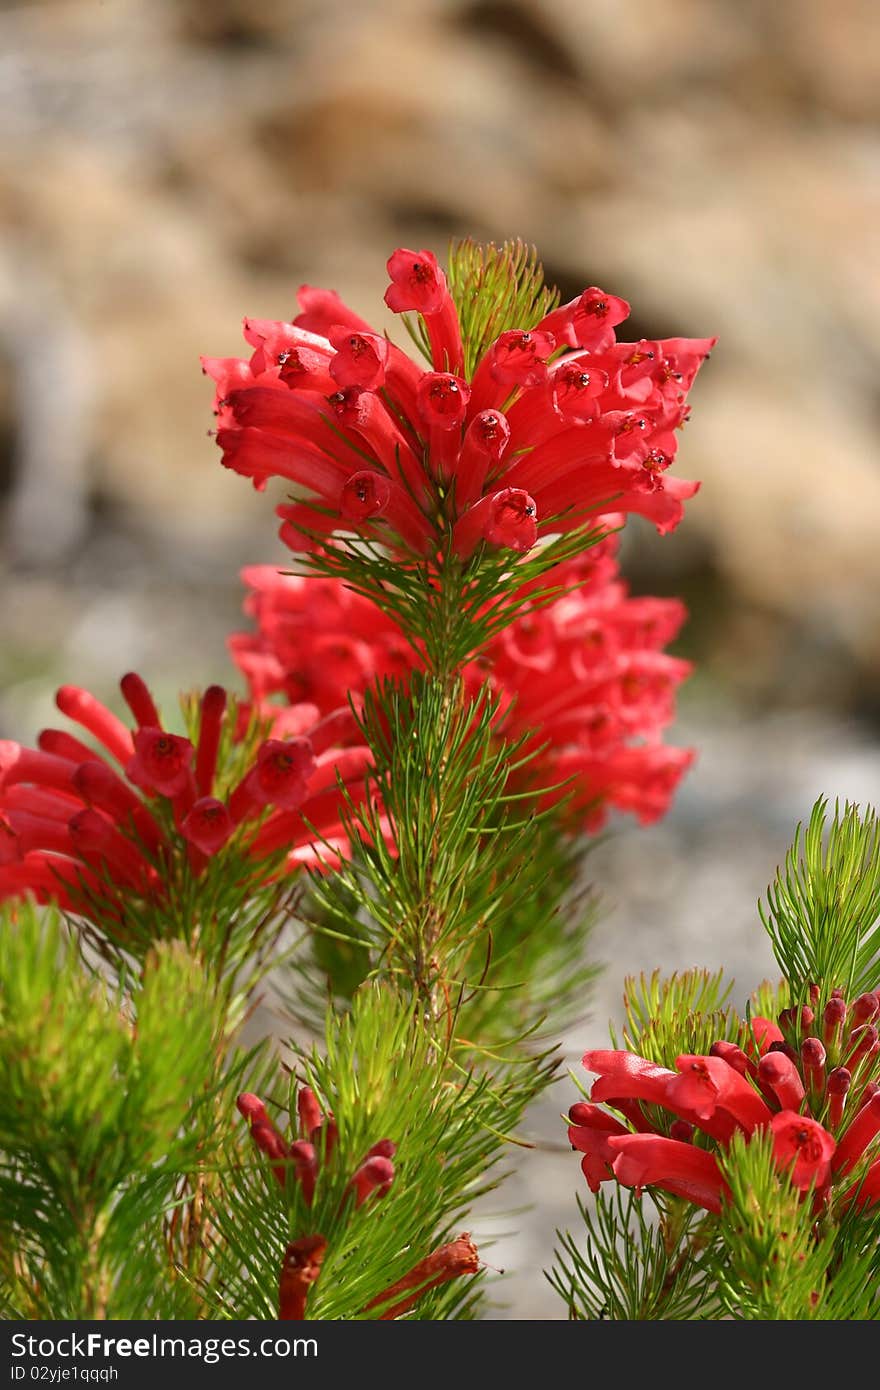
(167, 166)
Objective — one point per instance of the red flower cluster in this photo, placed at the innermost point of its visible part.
(558, 423)
(586, 681)
(301, 1158)
(74, 819)
(315, 641)
(813, 1083)
(299, 1161)
(585, 677)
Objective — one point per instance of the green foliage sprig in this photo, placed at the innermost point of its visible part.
(108, 1101)
(822, 913)
(778, 1247)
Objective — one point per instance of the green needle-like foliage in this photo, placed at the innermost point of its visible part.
(451, 609)
(106, 1102)
(380, 1075)
(496, 288)
(685, 1013)
(774, 1268)
(637, 1261)
(467, 879)
(783, 1264)
(823, 911)
(536, 975)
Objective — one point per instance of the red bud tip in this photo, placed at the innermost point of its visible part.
(812, 1053)
(251, 1106)
(386, 1148)
(837, 1085)
(866, 1007)
(308, 1111)
(580, 1113)
(375, 1175)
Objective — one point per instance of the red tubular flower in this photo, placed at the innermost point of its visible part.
(707, 1084)
(418, 284)
(360, 358)
(99, 786)
(372, 1179)
(589, 425)
(207, 825)
(623, 1076)
(734, 1057)
(587, 321)
(386, 1148)
(506, 518)
(832, 1023)
(485, 440)
(305, 1166)
(369, 494)
(450, 1261)
(49, 877)
(442, 401)
(161, 762)
(516, 359)
(97, 841)
(866, 1045)
(269, 1142)
(837, 1088)
(763, 1033)
(20, 832)
(82, 707)
(282, 772)
(251, 1107)
(589, 1132)
(264, 1134)
(33, 766)
(780, 1073)
(649, 1160)
(308, 1111)
(210, 728)
(63, 745)
(804, 1147)
(139, 701)
(865, 1008)
(813, 1061)
(302, 528)
(300, 1270)
(862, 1130)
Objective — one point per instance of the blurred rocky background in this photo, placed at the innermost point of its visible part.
(167, 166)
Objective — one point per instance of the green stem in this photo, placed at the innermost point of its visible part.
(441, 656)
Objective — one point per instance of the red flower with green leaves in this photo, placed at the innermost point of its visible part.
(514, 432)
(120, 822)
(813, 1085)
(584, 679)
